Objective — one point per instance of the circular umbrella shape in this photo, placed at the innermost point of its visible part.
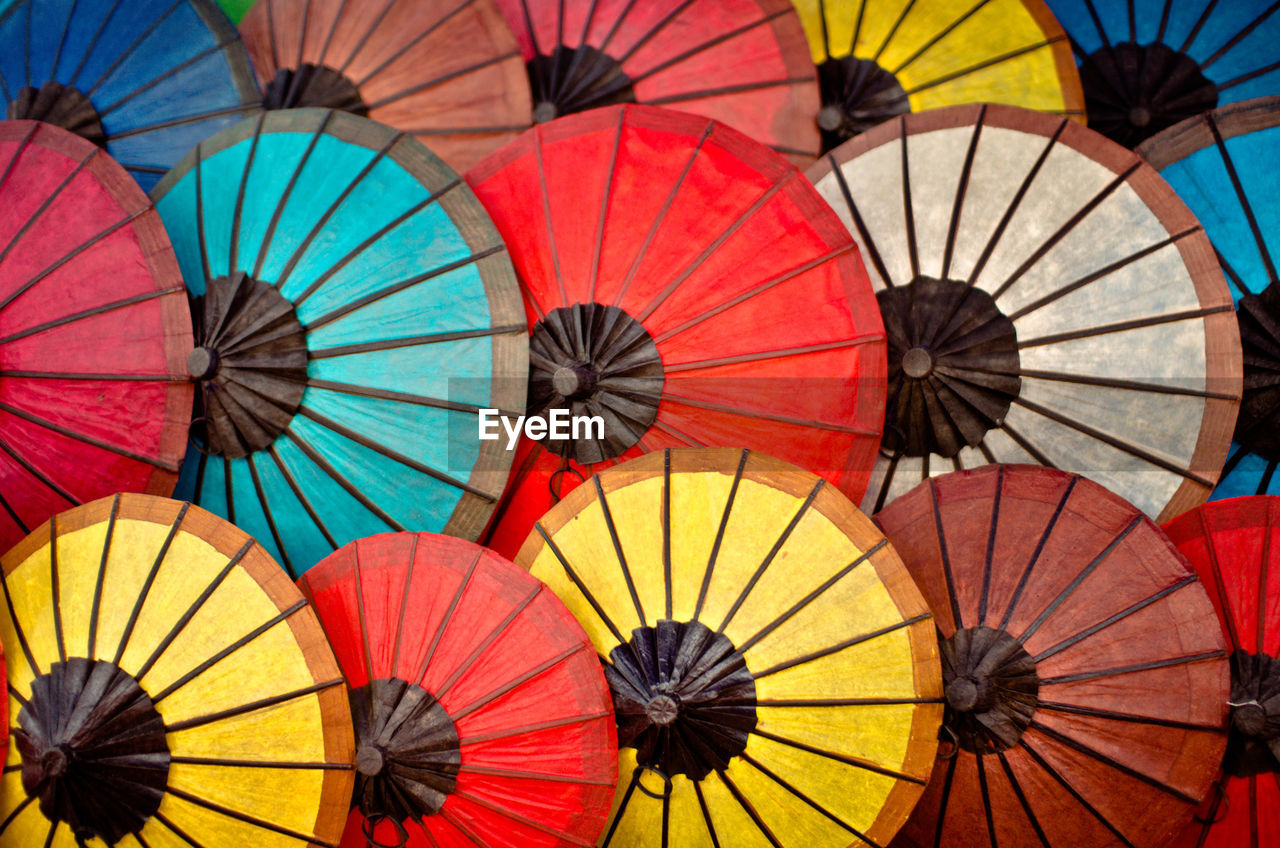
(1221, 165)
(1235, 547)
(1084, 677)
(481, 714)
(690, 288)
(145, 80)
(447, 71)
(881, 58)
(354, 309)
(92, 398)
(1149, 64)
(773, 669)
(1047, 298)
(741, 62)
(170, 686)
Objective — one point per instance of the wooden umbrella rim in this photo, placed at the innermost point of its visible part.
(1196, 133)
(1224, 382)
(229, 540)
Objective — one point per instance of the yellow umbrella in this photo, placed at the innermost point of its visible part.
(773, 668)
(881, 58)
(169, 687)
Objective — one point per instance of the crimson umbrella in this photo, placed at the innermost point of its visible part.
(94, 332)
(1084, 673)
(482, 716)
(1234, 545)
(743, 62)
(688, 287)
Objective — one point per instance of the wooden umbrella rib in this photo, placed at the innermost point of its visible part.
(1022, 799)
(1003, 57)
(440, 80)
(514, 684)
(769, 557)
(1238, 187)
(190, 119)
(233, 261)
(985, 791)
(8, 508)
(145, 591)
(1124, 326)
(617, 549)
(254, 706)
(96, 607)
(719, 538)
(80, 437)
(262, 824)
(1074, 793)
(17, 811)
(860, 225)
(264, 246)
(662, 24)
(1264, 566)
(962, 187)
(1243, 78)
(1021, 585)
(769, 773)
(706, 814)
(301, 497)
(44, 206)
(1215, 570)
(948, 576)
(942, 33)
(55, 589)
(908, 209)
(17, 628)
(398, 397)
(485, 644)
(749, 809)
(430, 653)
(89, 313)
(532, 728)
(893, 30)
(989, 555)
(414, 341)
(1127, 717)
(1097, 23)
(705, 45)
(411, 44)
(124, 54)
(221, 762)
(159, 816)
(39, 475)
(666, 530)
(339, 478)
(947, 781)
(364, 39)
(333, 29)
(518, 774)
(1107, 382)
(598, 244)
(17, 154)
(577, 581)
(524, 820)
(1130, 669)
(1110, 762)
(1240, 36)
(170, 72)
(1110, 620)
(271, 522)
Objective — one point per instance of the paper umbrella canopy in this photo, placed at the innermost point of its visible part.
(168, 686)
(481, 714)
(92, 395)
(690, 288)
(1085, 677)
(1222, 164)
(354, 309)
(741, 62)
(1235, 547)
(1148, 64)
(881, 58)
(1047, 298)
(448, 71)
(773, 668)
(145, 80)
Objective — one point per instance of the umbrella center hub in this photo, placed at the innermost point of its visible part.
(683, 697)
(952, 350)
(857, 94)
(314, 85)
(574, 79)
(111, 746)
(401, 723)
(1253, 737)
(1133, 91)
(991, 689)
(597, 364)
(62, 106)
(250, 364)
(1258, 425)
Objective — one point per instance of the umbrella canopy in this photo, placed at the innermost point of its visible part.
(1222, 164)
(170, 686)
(448, 71)
(354, 309)
(689, 287)
(1047, 299)
(1235, 548)
(881, 58)
(482, 717)
(1148, 64)
(145, 80)
(1084, 674)
(93, 331)
(742, 62)
(773, 669)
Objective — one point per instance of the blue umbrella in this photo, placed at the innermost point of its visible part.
(1147, 64)
(1223, 164)
(145, 79)
(354, 309)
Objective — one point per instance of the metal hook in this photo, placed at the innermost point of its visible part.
(666, 782)
(954, 744)
(1221, 801)
(553, 483)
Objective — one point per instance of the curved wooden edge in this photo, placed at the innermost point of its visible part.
(232, 48)
(796, 125)
(1193, 134)
(1064, 59)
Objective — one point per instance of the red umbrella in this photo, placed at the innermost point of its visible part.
(691, 288)
(1234, 545)
(743, 62)
(94, 332)
(482, 715)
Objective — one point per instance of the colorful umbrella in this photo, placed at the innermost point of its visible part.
(170, 687)
(742, 62)
(1047, 299)
(881, 58)
(1085, 677)
(1235, 548)
(145, 80)
(1149, 64)
(690, 288)
(1222, 166)
(482, 717)
(773, 669)
(93, 331)
(354, 309)
(448, 71)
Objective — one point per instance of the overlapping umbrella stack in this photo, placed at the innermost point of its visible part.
(387, 239)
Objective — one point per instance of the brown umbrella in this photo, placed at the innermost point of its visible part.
(448, 71)
(1084, 669)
